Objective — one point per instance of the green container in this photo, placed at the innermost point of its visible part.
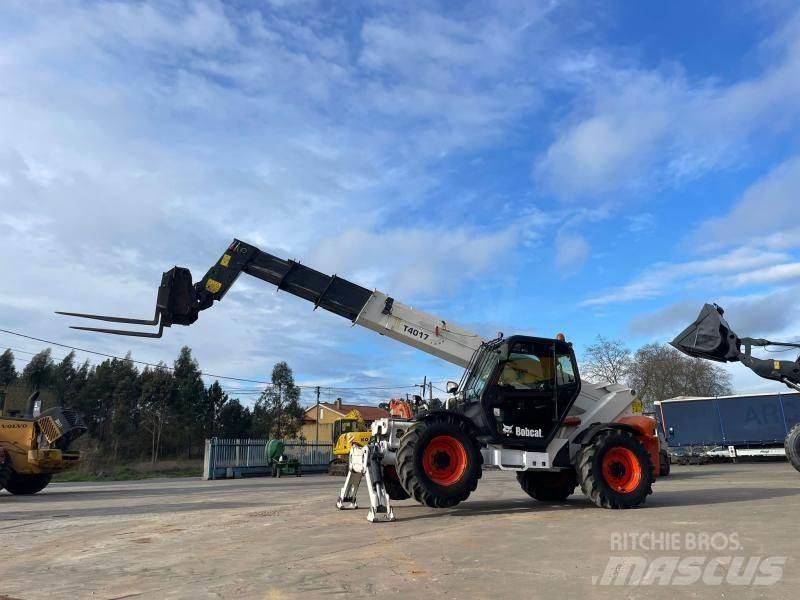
(274, 449)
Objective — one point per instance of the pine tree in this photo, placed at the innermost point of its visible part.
(124, 411)
(235, 420)
(8, 373)
(39, 372)
(216, 399)
(190, 399)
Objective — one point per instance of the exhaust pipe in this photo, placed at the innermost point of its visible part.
(31, 404)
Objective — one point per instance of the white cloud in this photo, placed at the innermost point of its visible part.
(766, 213)
(135, 136)
(663, 278)
(773, 313)
(636, 127)
(413, 262)
(773, 274)
(572, 250)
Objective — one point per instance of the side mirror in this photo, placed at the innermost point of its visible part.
(452, 387)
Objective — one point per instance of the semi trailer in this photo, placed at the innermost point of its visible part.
(711, 338)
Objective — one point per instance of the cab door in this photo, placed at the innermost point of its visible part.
(533, 388)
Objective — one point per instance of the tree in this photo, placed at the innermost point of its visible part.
(39, 372)
(659, 372)
(68, 380)
(606, 361)
(8, 373)
(190, 399)
(156, 401)
(277, 412)
(216, 399)
(124, 407)
(235, 420)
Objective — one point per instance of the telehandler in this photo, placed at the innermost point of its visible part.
(710, 337)
(520, 405)
(33, 449)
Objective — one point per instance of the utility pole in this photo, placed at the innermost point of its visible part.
(316, 416)
(280, 406)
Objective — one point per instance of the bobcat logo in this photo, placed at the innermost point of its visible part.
(508, 429)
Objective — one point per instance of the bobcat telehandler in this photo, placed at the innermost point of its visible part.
(520, 405)
(33, 449)
(710, 337)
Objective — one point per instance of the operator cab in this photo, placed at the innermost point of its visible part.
(520, 389)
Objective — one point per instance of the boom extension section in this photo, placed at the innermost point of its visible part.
(711, 337)
(180, 301)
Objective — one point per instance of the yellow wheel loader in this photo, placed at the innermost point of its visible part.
(33, 449)
(347, 431)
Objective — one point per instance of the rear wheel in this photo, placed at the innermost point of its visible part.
(664, 466)
(25, 485)
(615, 470)
(338, 466)
(392, 484)
(792, 445)
(439, 461)
(547, 486)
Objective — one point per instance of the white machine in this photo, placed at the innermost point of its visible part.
(520, 405)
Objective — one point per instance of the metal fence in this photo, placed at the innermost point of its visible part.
(235, 458)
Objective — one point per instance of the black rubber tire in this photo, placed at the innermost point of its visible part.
(392, 484)
(548, 486)
(338, 467)
(5, 469)
(26, 485)
(590, 472)
(792, 446)
(409, 461)
(664, 466)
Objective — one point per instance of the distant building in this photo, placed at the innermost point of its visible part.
(330, 412)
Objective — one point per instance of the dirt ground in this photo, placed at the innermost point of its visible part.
(284, 538)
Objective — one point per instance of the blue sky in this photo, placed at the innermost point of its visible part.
(586, 167)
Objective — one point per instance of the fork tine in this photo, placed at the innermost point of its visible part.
(153, 321)
(144, 334)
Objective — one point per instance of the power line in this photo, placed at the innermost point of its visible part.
(204, 374)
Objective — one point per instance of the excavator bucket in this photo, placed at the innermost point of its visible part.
(176, 303)
(709, 337)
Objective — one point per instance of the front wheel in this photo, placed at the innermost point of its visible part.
(439, 461)
(615, 470)
(26, 485)
(792, 446)
(5, 468)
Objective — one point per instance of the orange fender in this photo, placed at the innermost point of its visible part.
(647, 434)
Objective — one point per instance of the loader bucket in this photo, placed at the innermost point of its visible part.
(709, 337)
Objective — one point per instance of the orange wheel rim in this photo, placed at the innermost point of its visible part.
(444, 460)
(622, 470)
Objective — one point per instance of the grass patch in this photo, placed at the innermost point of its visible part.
(133, 471)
